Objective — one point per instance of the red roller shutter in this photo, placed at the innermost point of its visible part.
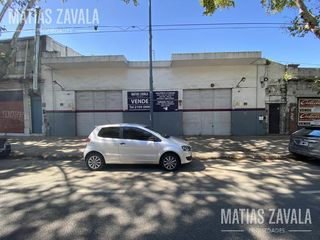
(11, 112)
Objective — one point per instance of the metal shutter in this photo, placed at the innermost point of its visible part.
(11, 112)
(96, 108)
(207, 112)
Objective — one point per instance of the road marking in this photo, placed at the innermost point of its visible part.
(310, 192)
(232, 230)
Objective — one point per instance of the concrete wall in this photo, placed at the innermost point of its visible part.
(62, 50)
(17, 80)
(248, 97)
(61, 123)
(167, 123)
(295, 90)
(286, 93)
(130, 79)
(248, 123)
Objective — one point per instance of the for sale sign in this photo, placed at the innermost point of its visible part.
(163, 101)
(138, 101)
(308, 111)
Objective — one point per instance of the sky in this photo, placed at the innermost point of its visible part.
(275, 43)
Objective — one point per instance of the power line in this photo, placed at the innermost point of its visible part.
(165, 29)
(145, 30)
(157, 26)
(219, 24)
(169, 27)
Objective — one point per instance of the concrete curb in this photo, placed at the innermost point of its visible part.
(199, 156)
(53, 157)
(239, 155)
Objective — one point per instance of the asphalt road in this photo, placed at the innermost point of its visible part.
(62, 200)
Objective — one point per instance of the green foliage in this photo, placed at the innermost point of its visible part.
(212, 5)
(307, 18)
(278, 5)
(272, 5)
(288, 76)
(135, 2)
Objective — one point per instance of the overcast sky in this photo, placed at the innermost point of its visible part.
(275, 43)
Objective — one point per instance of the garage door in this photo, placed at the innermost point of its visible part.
(207, 112)
(96, 108)
(11, 112)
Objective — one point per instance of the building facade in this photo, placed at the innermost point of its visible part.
(194, 94)
(20, 106)
(236, 93)
(294, 102)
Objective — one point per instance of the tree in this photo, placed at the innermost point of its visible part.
(5, 8)
(13, 44)
(307, 19)
(23, 7)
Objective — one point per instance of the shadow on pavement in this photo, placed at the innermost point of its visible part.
(208, 147)
(63, 200)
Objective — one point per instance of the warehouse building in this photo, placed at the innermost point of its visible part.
(21, 105)
(194, 94)
(235, 93)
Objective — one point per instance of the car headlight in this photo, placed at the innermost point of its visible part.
(186, 148)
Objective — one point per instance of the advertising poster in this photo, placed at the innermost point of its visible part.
(308, 111)
(163, 101)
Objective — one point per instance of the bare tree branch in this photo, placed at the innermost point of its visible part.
(311, 21)
(4, 9)
(14, 40)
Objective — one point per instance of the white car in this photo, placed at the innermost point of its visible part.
(134, 144)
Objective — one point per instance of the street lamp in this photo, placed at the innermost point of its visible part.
(150, 65)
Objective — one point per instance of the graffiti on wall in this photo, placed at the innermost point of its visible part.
(11, 112)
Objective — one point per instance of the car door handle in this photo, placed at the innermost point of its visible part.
(122, 144)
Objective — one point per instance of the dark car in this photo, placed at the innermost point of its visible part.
(306, 142)
(5, 148)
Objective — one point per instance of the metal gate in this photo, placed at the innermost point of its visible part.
(97, 108)
(207, 112)
(36, 114)
(274, 118)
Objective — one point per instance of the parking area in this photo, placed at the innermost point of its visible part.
(42, 199)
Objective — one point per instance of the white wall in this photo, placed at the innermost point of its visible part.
(173, 78)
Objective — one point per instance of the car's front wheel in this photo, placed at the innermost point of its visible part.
(170, 162)
(95, 161)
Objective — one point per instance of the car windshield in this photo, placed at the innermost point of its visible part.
(309, 132)
(162, 134)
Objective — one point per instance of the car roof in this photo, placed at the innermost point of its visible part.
(122, 125)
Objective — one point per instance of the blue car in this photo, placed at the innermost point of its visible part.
(5, 148)
(306, 142)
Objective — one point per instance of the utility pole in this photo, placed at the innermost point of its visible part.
(151, 64)
(36, 52)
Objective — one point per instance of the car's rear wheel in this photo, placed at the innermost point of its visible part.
(170, 162)
(95, 161)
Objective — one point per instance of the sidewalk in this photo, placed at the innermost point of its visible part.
(204, 148)
(244, 147)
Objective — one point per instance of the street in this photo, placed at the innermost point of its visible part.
(43, 199)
